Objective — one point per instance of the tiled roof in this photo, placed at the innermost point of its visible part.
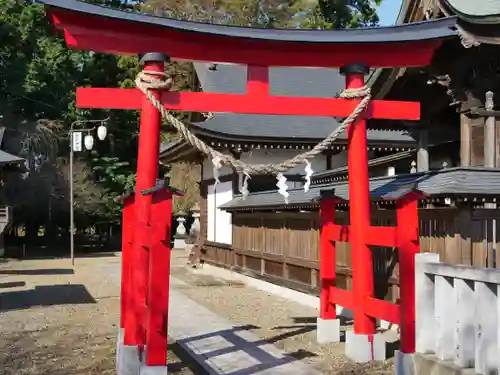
(311, 82)
(445, 182)
(476, 11)
(290, 128)
(6, 158)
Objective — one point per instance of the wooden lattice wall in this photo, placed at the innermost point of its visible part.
(282, 247)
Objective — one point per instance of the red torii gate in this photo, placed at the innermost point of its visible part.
(103, 29)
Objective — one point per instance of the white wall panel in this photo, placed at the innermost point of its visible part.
(223, 223)
(211, 213)
(219, 222)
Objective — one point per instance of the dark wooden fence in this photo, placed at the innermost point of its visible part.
(283, 247)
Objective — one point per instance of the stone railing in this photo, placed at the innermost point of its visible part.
(457, 315)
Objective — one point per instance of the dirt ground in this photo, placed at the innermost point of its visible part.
(60, 320)
(56, 320)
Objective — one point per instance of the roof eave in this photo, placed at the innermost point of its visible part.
(198, 129)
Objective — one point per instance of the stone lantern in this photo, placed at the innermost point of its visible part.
(194, 232)
(195, 227)
(180, 235)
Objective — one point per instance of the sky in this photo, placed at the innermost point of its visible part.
(388, 12)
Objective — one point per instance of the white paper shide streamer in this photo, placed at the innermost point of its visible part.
(309, 172)
(217, 163)
(244, 187)
(282, 186)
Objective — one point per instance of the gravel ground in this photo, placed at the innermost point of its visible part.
(288, 325)
(56, 321)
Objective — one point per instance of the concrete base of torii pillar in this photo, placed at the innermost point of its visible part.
(128, 360)
(328, 330)
(153, 370)
(127, 357)
(365, 348)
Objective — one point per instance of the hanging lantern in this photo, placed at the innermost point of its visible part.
(102, 131)
(89, 142)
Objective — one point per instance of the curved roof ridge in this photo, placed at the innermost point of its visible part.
(476, 11)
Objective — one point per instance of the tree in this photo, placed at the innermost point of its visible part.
(322, 14)
(39, 74)
(38, 77)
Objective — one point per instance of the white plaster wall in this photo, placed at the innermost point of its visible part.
(211, 213)
(219, 222)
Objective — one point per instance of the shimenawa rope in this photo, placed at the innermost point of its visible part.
(150, 80)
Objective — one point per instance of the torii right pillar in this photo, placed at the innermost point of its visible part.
(363, 335)
(364, 343)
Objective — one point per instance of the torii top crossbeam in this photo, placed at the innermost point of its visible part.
(102, 29)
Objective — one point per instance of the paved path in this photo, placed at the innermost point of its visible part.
(283, 322)
(221, 346)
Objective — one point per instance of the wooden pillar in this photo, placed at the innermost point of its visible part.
(327, 263)
(489, 133)
(359, 211)
(147, 172)
(408, 247)
(422, 152)
(159, 279)
(465, 139)
(489, 162)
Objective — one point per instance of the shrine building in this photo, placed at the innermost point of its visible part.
(267, 138)
(452, 155)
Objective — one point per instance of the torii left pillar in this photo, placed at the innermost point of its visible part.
(135, 324)
(153, 360)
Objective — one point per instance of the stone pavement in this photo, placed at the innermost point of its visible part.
(222, 347)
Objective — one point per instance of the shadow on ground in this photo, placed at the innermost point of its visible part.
(261, 359)
(12, 284)
(49, 295)
(180, 362)
(38, 272)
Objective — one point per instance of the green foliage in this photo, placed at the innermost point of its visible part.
(319, 14)
(38, 77)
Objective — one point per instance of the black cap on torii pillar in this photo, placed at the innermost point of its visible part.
(153, 57)
(355, 69)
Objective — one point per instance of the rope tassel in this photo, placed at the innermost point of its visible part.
(217, 166)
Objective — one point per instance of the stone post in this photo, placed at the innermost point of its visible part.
(489, 133)
(413, 166)
(195, 227)
(180, 234)
(422, 152)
